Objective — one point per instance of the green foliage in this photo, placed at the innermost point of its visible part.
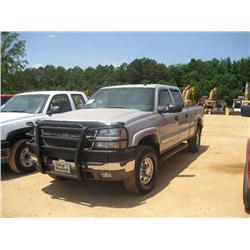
(12, 52)
(228, 76)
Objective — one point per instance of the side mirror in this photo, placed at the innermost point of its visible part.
(162, 109)
(171, 108)
(245, 110)
(54, 110)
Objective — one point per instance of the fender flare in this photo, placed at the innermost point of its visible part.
(144, 133)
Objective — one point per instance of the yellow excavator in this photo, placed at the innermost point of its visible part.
(214, 106)
(246, 100)
(245, 107)
(188, 95)
(210, 102)
(240, 101)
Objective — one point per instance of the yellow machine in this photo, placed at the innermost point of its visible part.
(185, 89)
(189, 96)
(211, 101)
(246, 100)
(240, 101)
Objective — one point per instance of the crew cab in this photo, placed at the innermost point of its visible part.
(28, 108)
(121, 134)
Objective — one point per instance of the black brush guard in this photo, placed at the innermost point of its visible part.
(76, 153)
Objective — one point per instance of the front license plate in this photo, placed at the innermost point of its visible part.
(62, 166)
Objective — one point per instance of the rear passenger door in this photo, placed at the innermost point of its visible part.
(182, 117)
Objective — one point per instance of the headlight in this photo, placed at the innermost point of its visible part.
(111, 138)
(110, 132)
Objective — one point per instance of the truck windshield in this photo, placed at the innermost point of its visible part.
(127, 98)
(26, 104)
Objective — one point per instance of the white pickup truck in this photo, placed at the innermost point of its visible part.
(26, 108)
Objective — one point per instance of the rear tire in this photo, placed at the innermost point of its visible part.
(20, 161)
(246, 191)
(195, 141)
(143, 178)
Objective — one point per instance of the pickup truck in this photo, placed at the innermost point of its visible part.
(121, 134)
(25, 108)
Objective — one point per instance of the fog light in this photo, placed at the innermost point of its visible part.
(106, 175)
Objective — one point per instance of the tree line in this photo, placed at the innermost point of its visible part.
(228, 76)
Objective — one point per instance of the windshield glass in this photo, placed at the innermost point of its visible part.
(26, 104)
(127, 98)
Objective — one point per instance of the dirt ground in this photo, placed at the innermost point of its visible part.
(204, 184)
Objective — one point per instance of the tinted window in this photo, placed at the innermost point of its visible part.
(62, 101)
(177, 97)
(78, 100)
(164, 98)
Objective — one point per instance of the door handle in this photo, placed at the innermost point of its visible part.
(176, 118)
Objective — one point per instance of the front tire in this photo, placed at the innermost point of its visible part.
(195, 141)
(246, 191)
(143, 178)
(20, 161)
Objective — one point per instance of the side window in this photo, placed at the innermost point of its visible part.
(78, 100)
(177, 97)
(61, 101)
(164, 98)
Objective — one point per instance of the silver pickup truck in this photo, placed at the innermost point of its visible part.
(122, 133)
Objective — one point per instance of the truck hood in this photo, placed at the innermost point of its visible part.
(108, 115)
(6, 117)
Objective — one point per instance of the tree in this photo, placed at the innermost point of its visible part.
(12, 53)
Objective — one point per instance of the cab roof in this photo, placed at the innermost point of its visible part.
(50, 92)
(155, 86)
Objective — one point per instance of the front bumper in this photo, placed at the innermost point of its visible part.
(96, 171)
(5, 151)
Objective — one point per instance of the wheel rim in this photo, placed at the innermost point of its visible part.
(146, 170)
(25, 158)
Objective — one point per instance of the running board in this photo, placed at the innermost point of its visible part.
(173, 151)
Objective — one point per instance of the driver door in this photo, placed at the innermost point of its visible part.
(168, 124)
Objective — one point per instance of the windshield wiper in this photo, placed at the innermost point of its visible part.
(118, 107)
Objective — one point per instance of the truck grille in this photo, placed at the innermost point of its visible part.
(65, 135)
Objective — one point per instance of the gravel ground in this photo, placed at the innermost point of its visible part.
(204, 184)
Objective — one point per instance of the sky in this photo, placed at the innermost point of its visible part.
(83, 49)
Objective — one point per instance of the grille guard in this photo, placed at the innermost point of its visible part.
(67, 126)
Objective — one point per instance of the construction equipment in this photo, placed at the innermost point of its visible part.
(219, 108)
(202, 100)
(210, 102)
(246, 100)
(185, 89)
(239, 102)
(188, 95)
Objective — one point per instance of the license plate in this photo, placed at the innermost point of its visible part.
(62, 166)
